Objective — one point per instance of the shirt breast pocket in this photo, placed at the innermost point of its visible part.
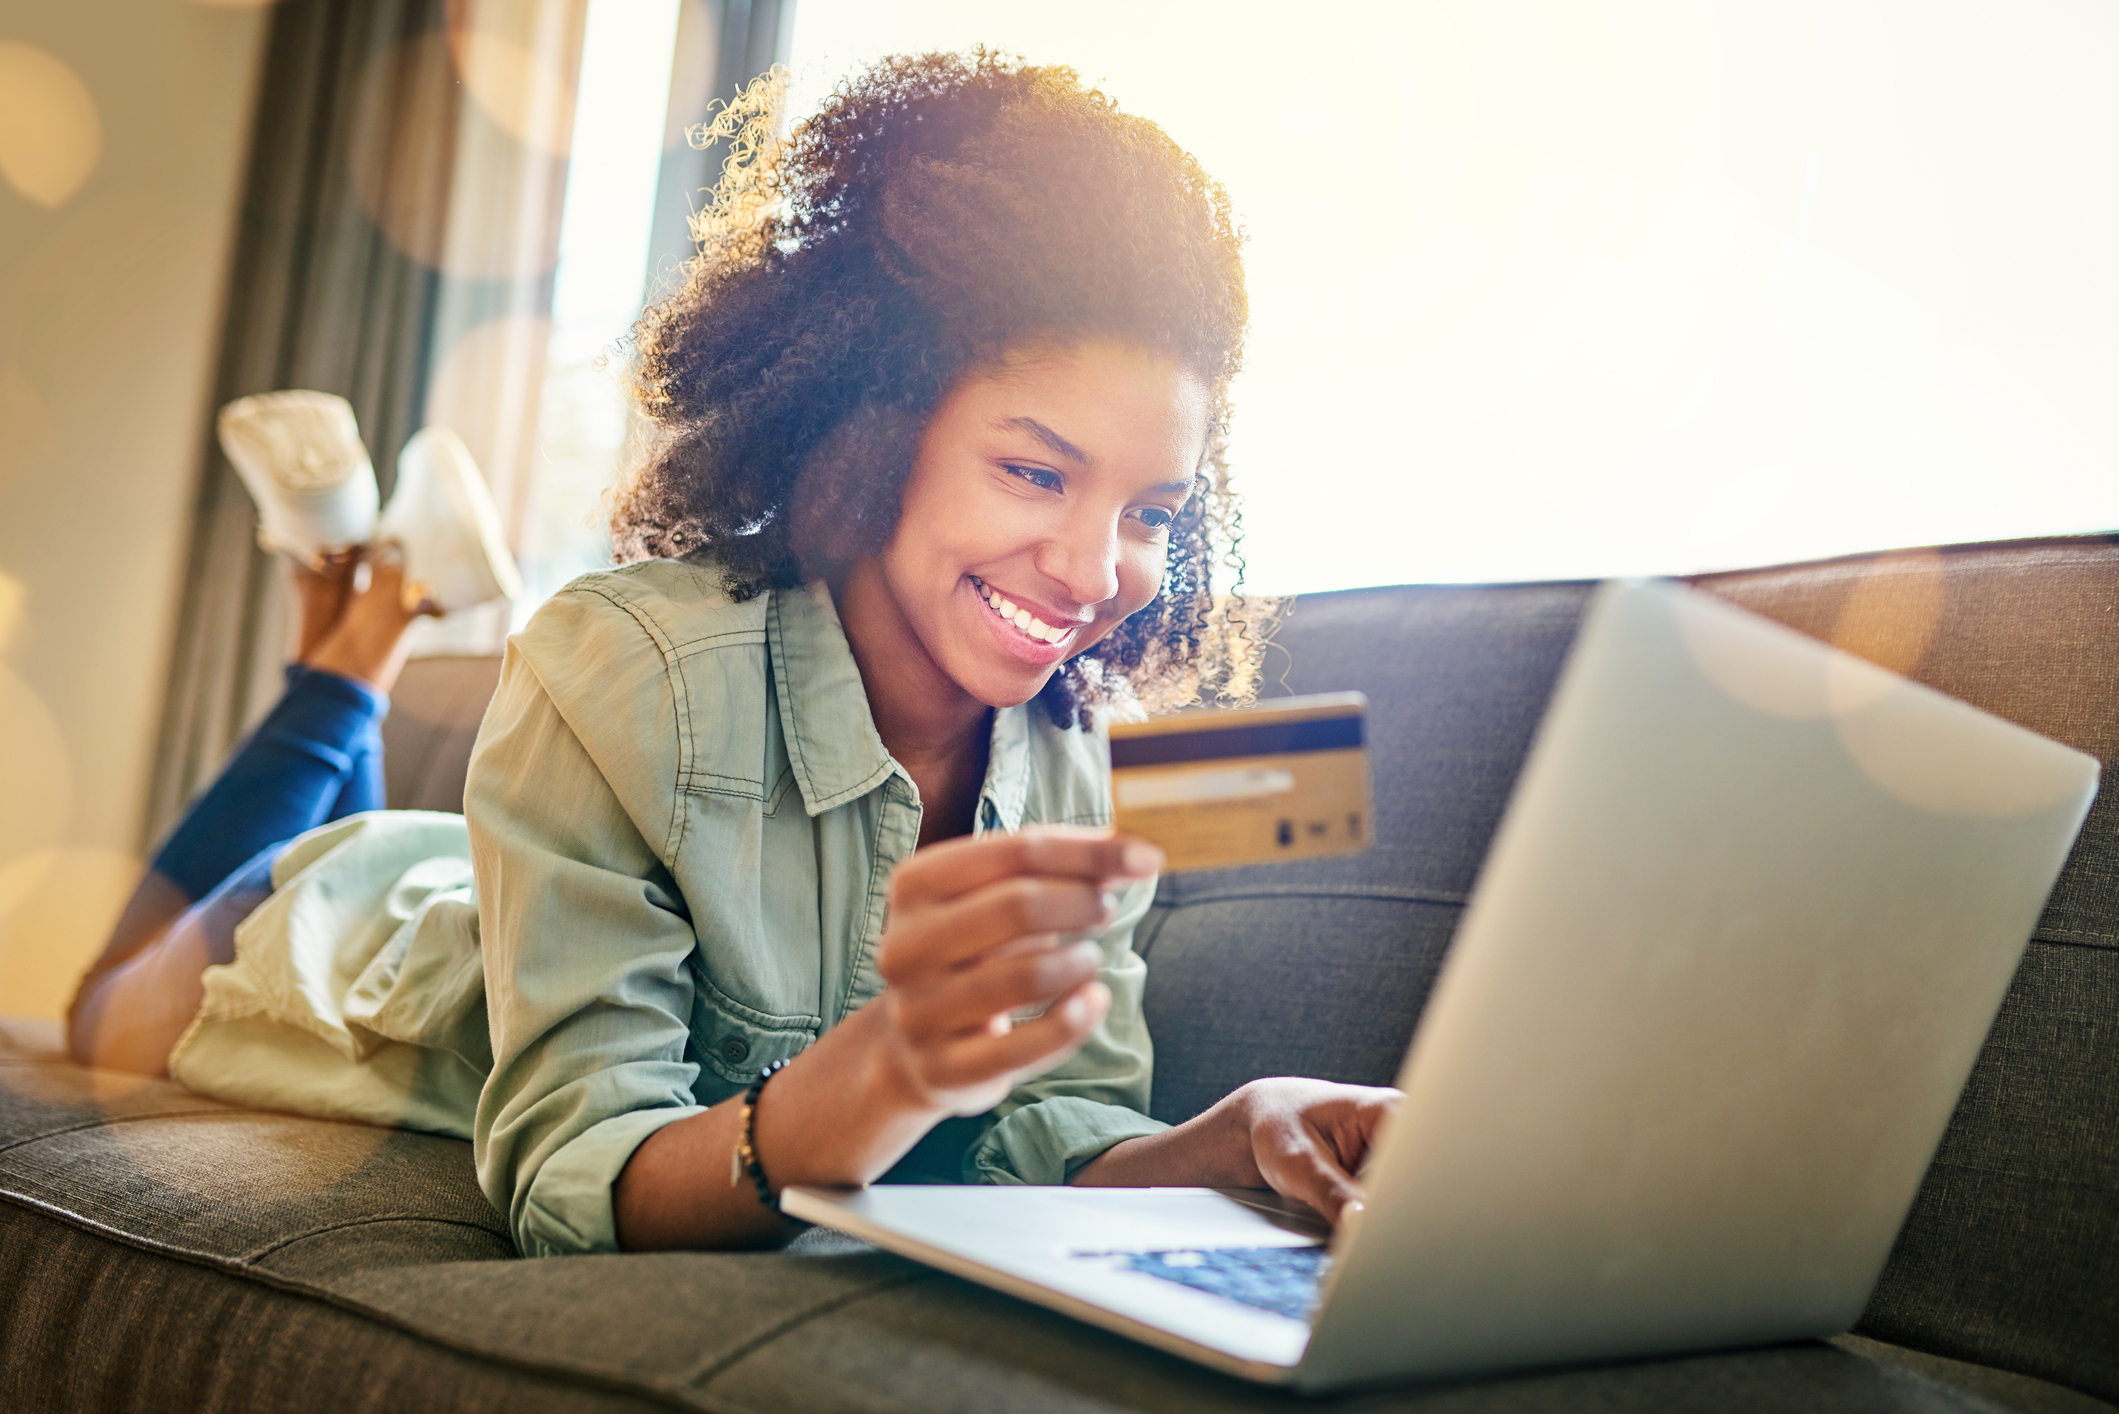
(732, 1044)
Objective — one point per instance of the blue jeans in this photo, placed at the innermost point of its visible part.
(317, 757)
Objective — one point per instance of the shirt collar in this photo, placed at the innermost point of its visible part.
(831, 738)
(832, 743)
(1007, 770)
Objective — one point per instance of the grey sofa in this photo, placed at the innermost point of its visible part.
(161, 1251)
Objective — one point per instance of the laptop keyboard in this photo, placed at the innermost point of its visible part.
(1282, 1280)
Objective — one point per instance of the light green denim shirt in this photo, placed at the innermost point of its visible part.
(682, 825)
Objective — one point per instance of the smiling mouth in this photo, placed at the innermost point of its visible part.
(1021, 619)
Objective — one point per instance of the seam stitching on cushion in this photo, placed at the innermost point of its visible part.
(1142, 946)
(263, 1252)
(107, 1120)
(722, 1364)
(238, 1271)
(2074, 938)
(2020, 1176)
(1185, 899)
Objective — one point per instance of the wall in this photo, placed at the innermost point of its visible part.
(123, 133)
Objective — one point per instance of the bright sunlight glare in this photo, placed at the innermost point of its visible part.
(604, 226)
(1543, 289)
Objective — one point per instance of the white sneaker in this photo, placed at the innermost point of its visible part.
(300, 456)
(443, 521)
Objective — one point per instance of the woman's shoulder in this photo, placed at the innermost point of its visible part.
(619, 633)
(675, 602)
(656, 609)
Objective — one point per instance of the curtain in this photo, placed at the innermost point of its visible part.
(721, 46)
(408, 162)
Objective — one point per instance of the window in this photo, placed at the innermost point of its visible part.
(583, 417)
(1542, 289)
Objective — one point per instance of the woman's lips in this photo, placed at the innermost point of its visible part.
(1022, 633)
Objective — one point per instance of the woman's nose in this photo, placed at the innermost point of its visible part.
(1084, 559)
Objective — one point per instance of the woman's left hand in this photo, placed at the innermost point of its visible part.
(1304, 1139)
(1309, 1139)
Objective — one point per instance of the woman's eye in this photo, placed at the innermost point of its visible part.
(1156, 518)
(1037, 476)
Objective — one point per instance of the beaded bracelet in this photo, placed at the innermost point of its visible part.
(745, 1158)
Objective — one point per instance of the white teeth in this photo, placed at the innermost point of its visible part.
(1023, 619)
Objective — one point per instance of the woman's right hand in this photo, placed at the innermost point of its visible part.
(974, 935)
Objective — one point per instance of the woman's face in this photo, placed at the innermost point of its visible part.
(1037, 515)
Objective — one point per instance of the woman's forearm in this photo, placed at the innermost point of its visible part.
(938, 1041)
(834, 1116)
(1305, 1139)
(1210, 1150)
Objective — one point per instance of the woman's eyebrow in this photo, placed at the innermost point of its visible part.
(1039, 430)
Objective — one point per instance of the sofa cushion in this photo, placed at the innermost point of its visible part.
(2011, 1254)
(1320, 967)
(160, 1252)
(147, 1233)
(435, 709)
(151, 1160)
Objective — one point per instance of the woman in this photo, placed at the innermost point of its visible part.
(937, 480)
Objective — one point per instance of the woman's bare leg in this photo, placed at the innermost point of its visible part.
(321, 591)
(366, 639)
(129, 1015)
(141, 995)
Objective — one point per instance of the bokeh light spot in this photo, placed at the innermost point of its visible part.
(36, 784)
(1916, 745)
(400, 165)
(1756, 665)
(516, 85)
(56, 908)
(12, 598)
(51, 136)
(1892, 613)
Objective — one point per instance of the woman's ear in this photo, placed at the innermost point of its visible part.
(849, 491)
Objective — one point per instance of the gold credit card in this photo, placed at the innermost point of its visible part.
(1287, 779)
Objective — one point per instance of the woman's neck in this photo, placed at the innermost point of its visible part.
(939, 733)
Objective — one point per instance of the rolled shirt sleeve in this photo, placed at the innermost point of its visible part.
(578, 811)
(585, 936)
(1098, 1097)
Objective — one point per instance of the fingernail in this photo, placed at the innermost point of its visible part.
(1141, 859)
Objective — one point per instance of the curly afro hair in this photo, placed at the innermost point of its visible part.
(939, 211)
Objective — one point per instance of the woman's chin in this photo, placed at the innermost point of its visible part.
(1010, 690)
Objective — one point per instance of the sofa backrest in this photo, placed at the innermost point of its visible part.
(2011, 1254)
(435, 710)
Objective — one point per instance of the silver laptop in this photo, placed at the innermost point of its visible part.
(1745, 924)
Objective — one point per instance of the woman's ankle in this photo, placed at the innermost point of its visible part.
(371, 639)
(322, 591)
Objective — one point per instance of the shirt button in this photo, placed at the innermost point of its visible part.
(735, 1050)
